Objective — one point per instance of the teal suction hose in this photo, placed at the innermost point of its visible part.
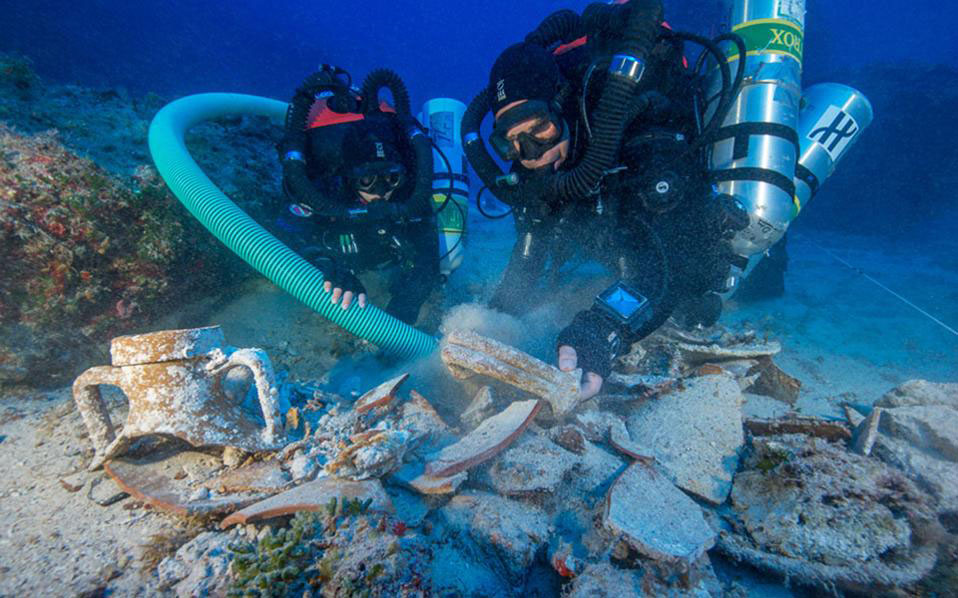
(249, 240)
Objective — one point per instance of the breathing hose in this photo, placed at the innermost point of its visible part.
(249, 240)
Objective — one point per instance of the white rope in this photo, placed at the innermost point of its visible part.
(880, 285)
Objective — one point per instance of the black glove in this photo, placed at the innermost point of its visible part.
(596, 341)
(339, 276)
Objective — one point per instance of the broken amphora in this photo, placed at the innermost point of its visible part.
(173, 381)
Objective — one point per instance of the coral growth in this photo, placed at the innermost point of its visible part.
(84, 256)
(345, 551)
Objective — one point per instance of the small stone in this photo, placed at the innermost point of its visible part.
(568, 437)
(234, 457)
(302, 466)
(200, 494)
(656, 518)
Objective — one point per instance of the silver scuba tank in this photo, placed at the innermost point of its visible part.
(756, 152)
(832, 118)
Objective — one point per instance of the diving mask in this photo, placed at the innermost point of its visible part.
(378, 178)
(545, 130)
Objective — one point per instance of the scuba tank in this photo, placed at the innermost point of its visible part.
(450, 195)
(755, 152)
(832, 119)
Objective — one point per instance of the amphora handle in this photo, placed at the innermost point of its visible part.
(258, 362)
(86, 393)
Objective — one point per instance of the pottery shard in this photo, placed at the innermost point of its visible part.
(799, 424)
(312, 496)
(424, 422)
(866, 432)
(697, 354)
(533, 464)
(379, 396)
(413, 476)
(512, 530)
(479, 409)
(486, 441)
(656, 518)
(153, 480)
(694, 434)
(261, 476)
(468, 350)
(772, 382)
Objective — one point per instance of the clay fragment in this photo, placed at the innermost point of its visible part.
(715, 353)
(853, 416)
(379, 396)
(773, 382)
(621, 441)
(261, 477)
(656, 518)
(799, 424)
(412, 475)
(313, 496)
(468, 350)
(479, 409)
(866, 433)
(153, 481)
(486, 441)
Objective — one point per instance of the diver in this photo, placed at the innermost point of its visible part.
(599, 117)
(357, 175)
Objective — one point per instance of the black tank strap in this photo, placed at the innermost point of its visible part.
(742, 131)
(808, 177)
(763, 175)
(444, 176)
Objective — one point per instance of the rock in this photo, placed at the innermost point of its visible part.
(922, 441)
(656, 518)
(866, 432)
(479, 409)
(822, 515)
(694, 434)
(513, 531)
(833, 431)
(486, 441)
(302, 467)
(199, 568)
(603, 579)
(533, 464)
(312, 496)
(921, 392)
(379, 396)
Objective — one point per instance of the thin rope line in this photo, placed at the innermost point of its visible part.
(880, 285)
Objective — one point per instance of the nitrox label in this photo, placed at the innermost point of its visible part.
(770, 36)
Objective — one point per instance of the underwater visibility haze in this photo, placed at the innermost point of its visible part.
(478, 298)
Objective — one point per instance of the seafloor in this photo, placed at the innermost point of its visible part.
(846, 339)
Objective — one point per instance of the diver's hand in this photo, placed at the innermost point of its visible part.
(591, 382)
(346, 296)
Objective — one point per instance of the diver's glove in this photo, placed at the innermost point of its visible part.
(595, 338)
(341, 282)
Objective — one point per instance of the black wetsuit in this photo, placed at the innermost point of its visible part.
(671, 247)
(383, 234)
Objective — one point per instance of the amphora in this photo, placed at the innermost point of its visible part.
(173, 381)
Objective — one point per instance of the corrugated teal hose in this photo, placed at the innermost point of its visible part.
(249, 240)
